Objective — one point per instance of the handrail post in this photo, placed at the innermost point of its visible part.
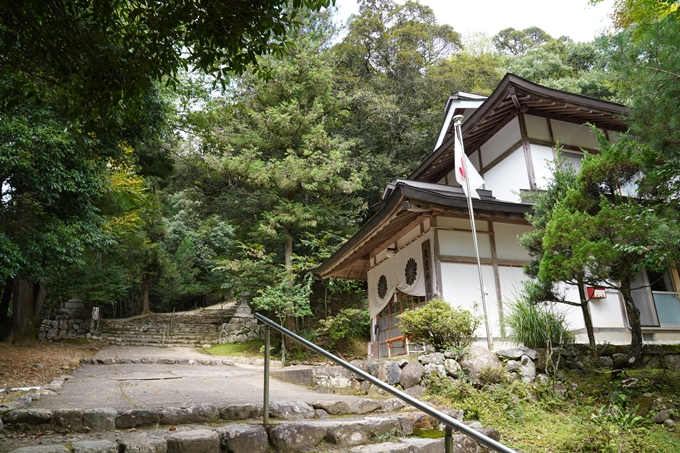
(448, 439)
(265, 408)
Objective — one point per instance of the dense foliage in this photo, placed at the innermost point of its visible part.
(440, 326)
(133, 179)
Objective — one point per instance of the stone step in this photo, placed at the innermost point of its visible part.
(406, 445)
(167, 340)
(362, 426)
(183, 336)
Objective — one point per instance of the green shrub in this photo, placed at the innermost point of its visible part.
(349, 323)
(440, 326)
(537, 325)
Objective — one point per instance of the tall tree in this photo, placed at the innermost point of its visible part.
(648, 65)
(395, 106)
(545, 286)
(518, 42)
(104, 52)
(275, 143)
(599, 227)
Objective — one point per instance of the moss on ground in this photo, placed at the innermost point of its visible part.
(600, 412)
(252, 348)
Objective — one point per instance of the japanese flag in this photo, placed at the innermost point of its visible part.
(465, 169)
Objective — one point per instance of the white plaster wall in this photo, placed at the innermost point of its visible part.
(508, 177)
(501, 141)
(460, 287)
(542, 156)
(507, 242)
(408, 237)
(463, 224)
(537, 127)
(512, 283)
(605, 313)
(459, 243)
(574, 134)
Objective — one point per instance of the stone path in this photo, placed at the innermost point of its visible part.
(126, 386)
(172, 400)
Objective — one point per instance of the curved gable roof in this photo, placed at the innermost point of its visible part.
(513, 95)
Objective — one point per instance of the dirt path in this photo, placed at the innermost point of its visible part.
(28, 366)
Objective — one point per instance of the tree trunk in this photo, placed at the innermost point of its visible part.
(144, 298)
(23, 318)
(289, 322)
(6, 298)
(39, 293)
(588, 321)
(634, 320)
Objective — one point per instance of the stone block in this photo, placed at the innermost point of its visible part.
(290, 410)
(478, 359)
(137, 417)
(28, 416)
(346, 433)
(144, 445)
(383, 425)
(385, 447)
(365, 405)
(240, 411)
(424, 445)
(464, 444)
(197, 441)
(321, 414)
(333, 377)
(43, 449)
(434, 357)
(333, 407)
(392, 404)
(452, 368)
(100, 419)
(405, 425)
(527, 369)
(202, 413)
(66, 418)
(672, 361)
(392, 373)
(296, 436)
(94, 446)
(243, 439)
(411, 374)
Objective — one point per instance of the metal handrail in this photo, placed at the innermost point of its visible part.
(450, 422)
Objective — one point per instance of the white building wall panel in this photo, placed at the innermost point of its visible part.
(508, 177)
(461, 224)
(574, 134)
(537, 127)
(408, 237)
(461, 288)
(501, 141)
(542, 157)
(459, 243)
(507, 241)
(512, 283)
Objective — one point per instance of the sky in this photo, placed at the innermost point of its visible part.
(573, 18)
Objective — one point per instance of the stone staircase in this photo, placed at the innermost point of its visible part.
(231, 429)
(192, 328)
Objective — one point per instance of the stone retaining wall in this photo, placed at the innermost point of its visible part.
(64, 327)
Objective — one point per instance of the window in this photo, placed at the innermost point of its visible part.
(573, 159)
(656, 297)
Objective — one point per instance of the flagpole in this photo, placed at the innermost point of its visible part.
(457, 121)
